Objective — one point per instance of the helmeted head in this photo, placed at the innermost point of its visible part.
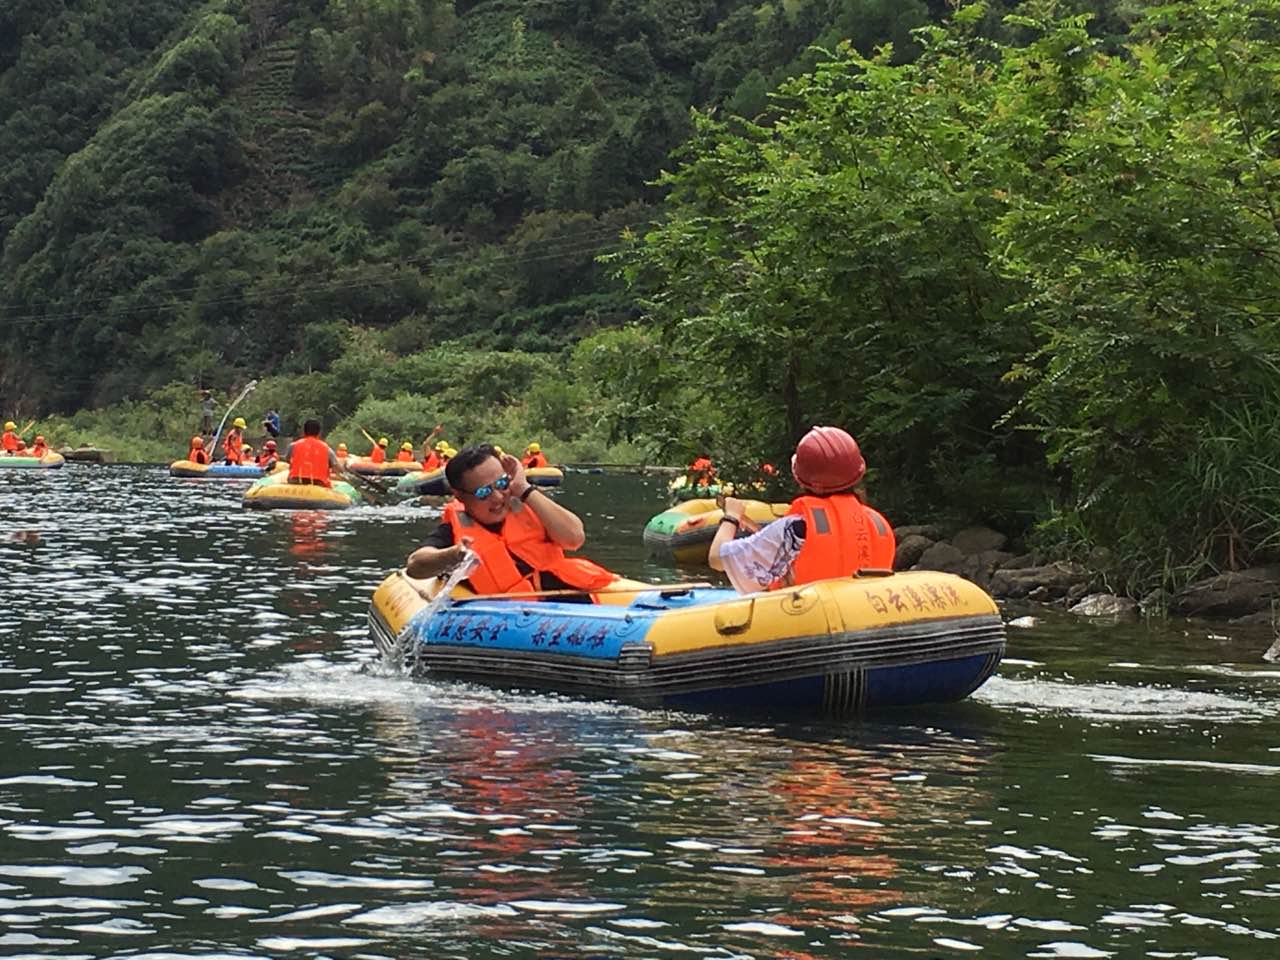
(197, 442)
(22, 444)
(10, 425)
(245, 447)
(342, 450)
(39, 439)
(270, 445)
(827, 460)
(477, 479)
(534, 447)
(239, 423)
(407, 447)
(441, 445)
(383, 441)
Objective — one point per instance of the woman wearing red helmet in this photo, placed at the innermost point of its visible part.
(828, 532)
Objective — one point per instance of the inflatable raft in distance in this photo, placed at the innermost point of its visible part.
(683, 534)
(277, 493)
(832, 648)
(219, 470)
(50, 461)
(388, 468)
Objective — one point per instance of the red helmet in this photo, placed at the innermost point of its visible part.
(269, 445)
(827, 460)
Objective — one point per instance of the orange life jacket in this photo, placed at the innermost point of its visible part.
(534, 460)
(377, 454)
(10, 441)
(233, 447)
(267, 459)
(842, 536)
(431, 461)
(309, 460)
(39, 450)
(404, 456)
(197, 455)
(522, 536)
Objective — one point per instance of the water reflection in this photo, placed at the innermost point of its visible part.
(201, 758)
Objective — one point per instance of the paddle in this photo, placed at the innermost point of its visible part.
(213, 444)
(377, 493)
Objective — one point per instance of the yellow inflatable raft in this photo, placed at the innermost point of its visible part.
(50, 461)
(389, 468)
(277, 493)
(219, 469)
(683, 533)
(834, 647)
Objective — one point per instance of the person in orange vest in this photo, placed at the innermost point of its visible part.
(267, 458)
(428, 449)
(431, 456)
(9, 440)
(701, 472)
(310, 459)
(233, 445)
(197, 453)
(379, 452)
(828, 532)
(519, 533)
(39, 448)
(406, 453)
(533, 456)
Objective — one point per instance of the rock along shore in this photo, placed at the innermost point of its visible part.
(979, 554)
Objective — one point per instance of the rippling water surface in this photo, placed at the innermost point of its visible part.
(200, 757)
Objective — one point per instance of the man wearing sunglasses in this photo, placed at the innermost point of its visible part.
(519, 533)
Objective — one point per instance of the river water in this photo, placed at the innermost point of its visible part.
(201, 757)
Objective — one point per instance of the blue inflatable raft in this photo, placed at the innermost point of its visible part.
(835, 648)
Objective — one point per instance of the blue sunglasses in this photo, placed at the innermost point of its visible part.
(482, 493)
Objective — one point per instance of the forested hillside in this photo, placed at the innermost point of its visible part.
(1027, 253)
(205, 191)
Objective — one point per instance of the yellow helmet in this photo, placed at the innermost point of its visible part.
(535, 447)
(442, 445)
(449, 451)
(10, 425)
(197, 442)
(239, 423)
(406, 445)
(245, 447)
(342, 448)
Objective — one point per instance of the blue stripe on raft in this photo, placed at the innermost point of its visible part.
(225, 470)
(573, 629)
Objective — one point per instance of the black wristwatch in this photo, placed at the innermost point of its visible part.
(524, 495)
(734, 520)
